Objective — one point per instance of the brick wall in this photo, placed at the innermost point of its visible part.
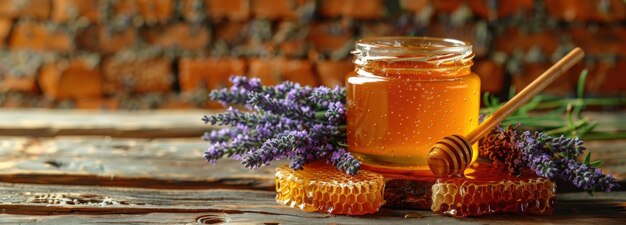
(167, 53)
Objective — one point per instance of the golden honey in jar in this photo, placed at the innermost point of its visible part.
(405, 94)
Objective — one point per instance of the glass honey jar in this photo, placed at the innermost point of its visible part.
(405, 94)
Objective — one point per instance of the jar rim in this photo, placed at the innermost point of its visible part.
(404, 48)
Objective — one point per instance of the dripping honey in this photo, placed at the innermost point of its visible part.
(401, 104)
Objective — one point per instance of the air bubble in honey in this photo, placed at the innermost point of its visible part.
(486, 189)
(322, 188)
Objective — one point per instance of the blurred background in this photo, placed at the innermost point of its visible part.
(148, 54)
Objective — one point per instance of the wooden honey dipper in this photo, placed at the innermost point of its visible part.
(452, 154)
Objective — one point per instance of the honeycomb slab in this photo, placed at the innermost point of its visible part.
(486, 189)
(320, 187)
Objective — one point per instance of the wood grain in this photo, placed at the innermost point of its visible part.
(159, 163)
(137, 124)
(50, 204)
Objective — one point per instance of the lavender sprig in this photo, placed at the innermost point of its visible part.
(547, 156)
(222, 135)
(285, 107)
(286, 121)
(233, 117)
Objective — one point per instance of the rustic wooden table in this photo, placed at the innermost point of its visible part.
(130, 179)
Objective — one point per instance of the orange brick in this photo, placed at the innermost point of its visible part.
(276, 9)
(39, 37)
(138, 75)
(5, 27)
(297, 48)
(237, 10)
(585, 11)
(18, 83)
(491, 75)
(276, 70)
(124, 9)
(606, 78)
(602, 41)
(373, 29)
(73, 79)
(39, 9)
(446, 6)
(208, 73)
(266, 71)
(564, 85)
(333, 73)
(414, 5)
(463, 33)
(504, 8)
(181, 35)
(514, 39)
(358, 9)
(70, 10)
(328, 37)
(103, 40)
(230, 32)
(155, 11)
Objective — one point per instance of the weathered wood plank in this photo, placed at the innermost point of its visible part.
(79, 204)
(138, 124)
(177, 163)
(160, 163)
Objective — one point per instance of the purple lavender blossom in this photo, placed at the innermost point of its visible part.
(224, 134)
(249, 84)
(547, 156)
(345, 161)
(336, 112)
(274, 149)
(300, 123)
(234, 117)
(324, 96)
(284, 107)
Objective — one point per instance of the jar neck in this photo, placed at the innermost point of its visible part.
(413, 69)
(413, 57)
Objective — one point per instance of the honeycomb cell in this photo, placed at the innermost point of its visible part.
(320, 187)
(486, 189)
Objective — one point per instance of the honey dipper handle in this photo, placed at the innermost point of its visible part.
(526, 94)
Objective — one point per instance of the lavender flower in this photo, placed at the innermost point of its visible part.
(336, 112)
(547, 156)
(345, 161)
(235, 117)
(221, 135)
(231, 96)
(274, 149)
(324, 96)
(287, 108)
(249, 84)
(287, 121)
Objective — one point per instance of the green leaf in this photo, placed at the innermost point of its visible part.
(587, 158)
(580, 92)
(596, 163)
(342, 144)
(581, 83)
(585, 129)
(512, 92)
(486, 99)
